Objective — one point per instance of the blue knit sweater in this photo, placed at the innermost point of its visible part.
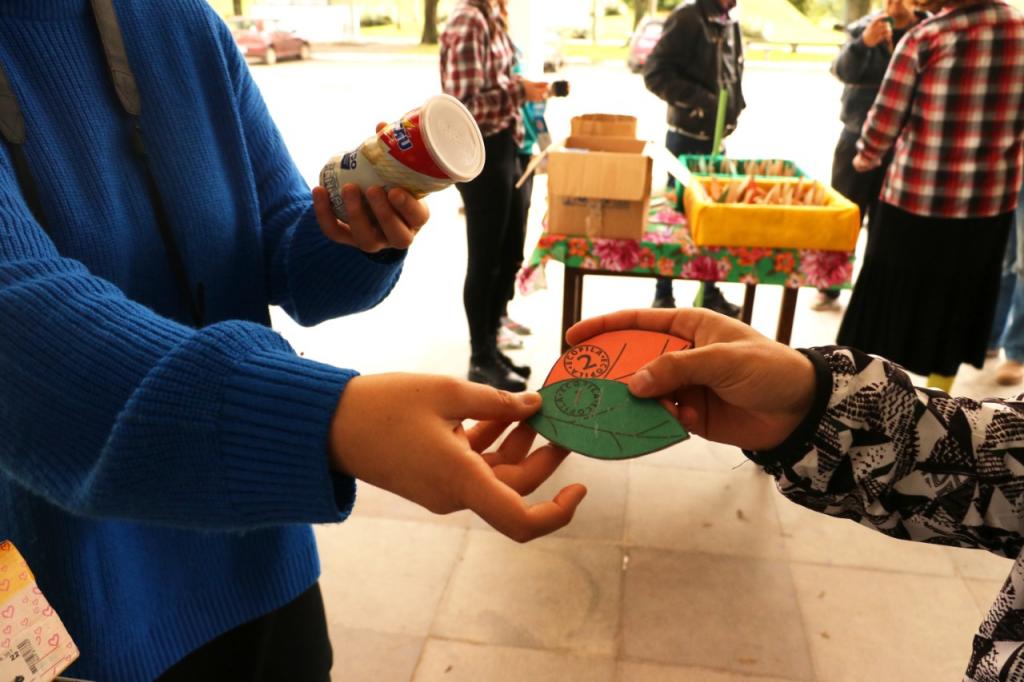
(160, 480)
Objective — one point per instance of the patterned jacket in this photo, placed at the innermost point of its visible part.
(953, 95)
(916, 464)
(477, 59)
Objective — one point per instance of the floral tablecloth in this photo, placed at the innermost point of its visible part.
(667, 249)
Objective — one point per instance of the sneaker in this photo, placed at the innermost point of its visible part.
(522, 370)
(823, 302)
(508, 341)
(493, 373)
(1010, 373)
(714, 300)
(664, 302)
(515, 327)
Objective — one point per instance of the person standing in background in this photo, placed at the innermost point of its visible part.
(510, 331)
(950, 106)
(861, 66)
(1008, 327)
(477, 60)
(699, 54)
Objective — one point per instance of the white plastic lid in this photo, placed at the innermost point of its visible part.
(453, 138)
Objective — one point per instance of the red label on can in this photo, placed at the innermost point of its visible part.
(404, 141)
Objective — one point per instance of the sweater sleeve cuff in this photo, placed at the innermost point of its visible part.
(801, 440)
(318, 269)
(274, 429)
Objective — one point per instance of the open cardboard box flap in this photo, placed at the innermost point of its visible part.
(615, 125)
(614, 168)
(590, 173)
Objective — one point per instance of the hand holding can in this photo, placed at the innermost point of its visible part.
(425, 151)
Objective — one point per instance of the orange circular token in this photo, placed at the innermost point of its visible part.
(615, 356)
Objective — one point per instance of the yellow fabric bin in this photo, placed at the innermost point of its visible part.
(832, 227)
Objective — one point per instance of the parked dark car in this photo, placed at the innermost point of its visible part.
(267, 40)
(643, 40)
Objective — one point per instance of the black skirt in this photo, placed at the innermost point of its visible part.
(926, 294)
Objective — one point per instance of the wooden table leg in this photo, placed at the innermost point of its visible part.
(572, 301)
(786, 313)
(748, 303)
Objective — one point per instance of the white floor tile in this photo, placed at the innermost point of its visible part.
(549, 594)
(725, 613)
(448, 661)
(386, 575)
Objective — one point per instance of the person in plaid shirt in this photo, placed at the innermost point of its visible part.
(950, 105)
(477, 58)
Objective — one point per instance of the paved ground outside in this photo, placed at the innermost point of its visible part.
(684, 565)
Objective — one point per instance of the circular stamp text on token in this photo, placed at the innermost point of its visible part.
(578, 398)
(586, 361)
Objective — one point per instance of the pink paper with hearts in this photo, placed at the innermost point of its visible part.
(34, 644)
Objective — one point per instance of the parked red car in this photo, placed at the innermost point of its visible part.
(267, 40)
(643, 40)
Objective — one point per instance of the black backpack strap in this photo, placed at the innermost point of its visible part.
(128, 94)
(117, 59)
(12, 127)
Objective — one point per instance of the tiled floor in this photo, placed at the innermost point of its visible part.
(685, 565)
(682, 565)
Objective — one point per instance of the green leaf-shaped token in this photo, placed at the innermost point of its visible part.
(601, 418)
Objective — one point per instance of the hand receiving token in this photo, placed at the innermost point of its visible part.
(588, 407)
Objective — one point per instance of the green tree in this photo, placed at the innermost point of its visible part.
(641, 8)
(429, 23)
(855, 9)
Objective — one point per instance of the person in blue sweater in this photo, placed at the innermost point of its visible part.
(160, 477)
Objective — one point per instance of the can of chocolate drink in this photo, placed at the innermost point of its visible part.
(425, 151)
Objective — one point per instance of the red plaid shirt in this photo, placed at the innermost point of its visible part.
(477, 57)
(952, 102)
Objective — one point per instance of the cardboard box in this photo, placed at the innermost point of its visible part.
(603, 125)
(832, 227)
(599, 186)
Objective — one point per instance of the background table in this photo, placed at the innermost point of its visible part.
(667, 250)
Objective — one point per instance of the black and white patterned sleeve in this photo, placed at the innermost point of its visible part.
(916, 464)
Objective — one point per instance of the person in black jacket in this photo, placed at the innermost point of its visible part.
(861, 65)
(699, 54)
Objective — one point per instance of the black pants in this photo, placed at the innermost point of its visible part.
(290, 643)
(679, 145)
(526, 197)
(495, 234)
(860, 188)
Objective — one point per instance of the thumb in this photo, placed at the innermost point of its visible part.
(482, 402)
(668, 373)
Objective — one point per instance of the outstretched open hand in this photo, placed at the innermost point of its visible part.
(404, 433)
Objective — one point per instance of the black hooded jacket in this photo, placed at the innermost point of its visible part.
(861, 69)
(700, 51)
